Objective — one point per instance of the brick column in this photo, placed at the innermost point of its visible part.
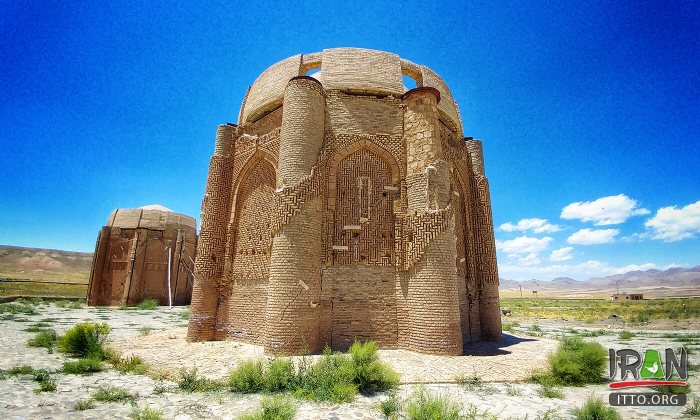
(432, 298)
(485, 246)
(211, 246)
(293, 313)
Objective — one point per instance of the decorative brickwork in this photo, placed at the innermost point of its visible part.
(344, 208)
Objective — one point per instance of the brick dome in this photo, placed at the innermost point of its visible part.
(355, 70)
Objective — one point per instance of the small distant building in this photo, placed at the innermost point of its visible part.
(627, 296)
(136, 251)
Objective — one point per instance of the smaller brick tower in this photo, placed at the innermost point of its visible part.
(345, 207)
(133, 253)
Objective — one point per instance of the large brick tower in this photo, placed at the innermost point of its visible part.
(343, 207)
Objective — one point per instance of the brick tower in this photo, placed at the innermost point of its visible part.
(344, 206)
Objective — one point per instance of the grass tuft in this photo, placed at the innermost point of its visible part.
(146, 413)
(510, 326)
(21, 370)
(391, 407)
(131, 364)
(595, 409)
(44, 338)
(82, 405)
(626, 335)
(191, 382)
(550, 391)
(148, 305)
(423, 405)
(693, 409)
(108, 393)
(17, 308)
(273, 408)
(83, 366)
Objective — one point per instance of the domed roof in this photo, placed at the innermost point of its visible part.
(154, 217)
(155, 207)
(353, 70)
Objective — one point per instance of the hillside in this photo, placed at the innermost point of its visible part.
(44, 264)
(654, 283)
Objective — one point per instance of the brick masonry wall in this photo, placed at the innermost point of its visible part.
(378, 212)
(363, 305)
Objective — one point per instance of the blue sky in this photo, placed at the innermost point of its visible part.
(591, 107)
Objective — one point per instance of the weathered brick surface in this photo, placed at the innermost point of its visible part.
(130, 263)
(342, 210)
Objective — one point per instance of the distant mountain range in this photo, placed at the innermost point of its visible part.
(672, 282)
(44, 264)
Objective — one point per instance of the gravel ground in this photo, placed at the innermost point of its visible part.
(502, 395)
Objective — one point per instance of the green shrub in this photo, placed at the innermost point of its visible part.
(279, 375)
(247, 377)
(390, 407)
(82, 405)
(148, 304)
(626, 335)
(371, 375)
(191, 382)
(329, 379)
(145, 330)
(83, 366)
(43, 338)
(273, 408)
(535, 328)
(423, 405)
(514, 391)
(146, 413)
(575, 362)
(595, 409)
(110, 393)
(85, 339)
(334, 377)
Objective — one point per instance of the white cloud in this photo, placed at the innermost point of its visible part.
(593, 236)
(529, 259)
(611, 210)
(635, 267)
(581, 271)
(561, 254)
(535, 225)
(673, 224)
(524, 245)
